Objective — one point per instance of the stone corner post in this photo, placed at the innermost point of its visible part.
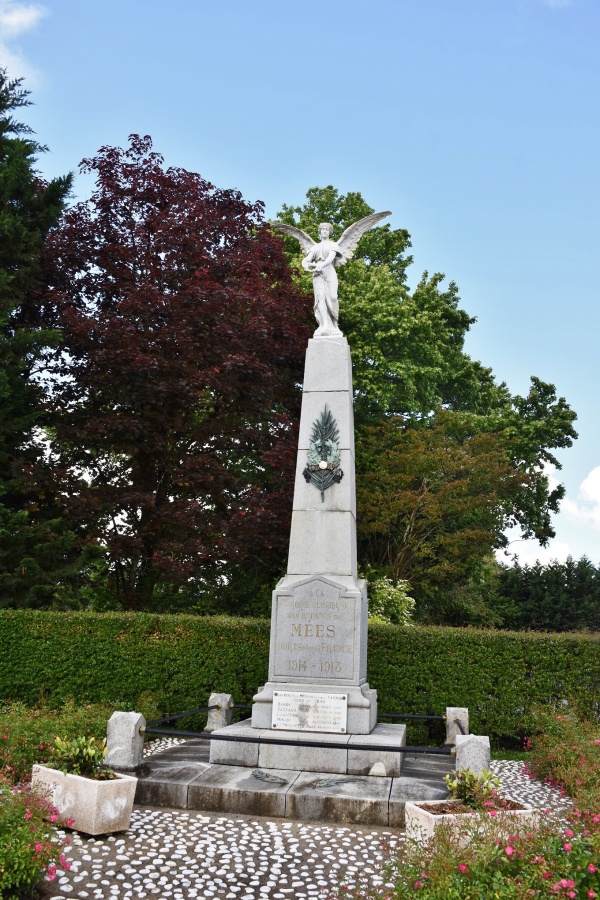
(125, 740)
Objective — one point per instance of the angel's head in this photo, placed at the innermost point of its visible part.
(325, 230)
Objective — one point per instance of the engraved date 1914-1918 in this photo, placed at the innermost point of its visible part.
(325, 666)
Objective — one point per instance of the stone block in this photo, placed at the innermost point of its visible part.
(427, 766)
(234, 790)
(472, 752)
(262, 710)
(454, 713)
(221, 716)
(167, 785)
(328, 366)
(389, 762)
(164, 777)
(362, 800)
(322, 543)
(340, 497)
(307, 759)
(362, 717)
(318, 634)
(406, 789)
(125, 740)
(96, 807)
(339, 403)
(234, 753)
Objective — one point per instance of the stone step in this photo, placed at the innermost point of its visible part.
(182, 778)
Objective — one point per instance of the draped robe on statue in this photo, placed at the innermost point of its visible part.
(325, 284)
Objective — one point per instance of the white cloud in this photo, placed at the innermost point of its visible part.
(530, 552)
(15, 19)
(577, 528)
(586, 507)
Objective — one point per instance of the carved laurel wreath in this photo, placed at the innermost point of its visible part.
(323, 468)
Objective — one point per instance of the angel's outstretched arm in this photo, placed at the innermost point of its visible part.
(309, 264)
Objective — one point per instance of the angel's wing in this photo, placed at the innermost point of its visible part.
(306, 242)
(348, 242)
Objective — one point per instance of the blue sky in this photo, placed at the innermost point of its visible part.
(475, 121)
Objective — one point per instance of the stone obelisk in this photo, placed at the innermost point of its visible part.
(319, 611)
(317, 692)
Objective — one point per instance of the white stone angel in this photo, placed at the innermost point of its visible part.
(322, 259)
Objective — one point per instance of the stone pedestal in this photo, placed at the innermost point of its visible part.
(317, 691)
(379, 753)
(319, 612)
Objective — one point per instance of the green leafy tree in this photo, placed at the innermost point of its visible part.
(433, 500)
(36, 544)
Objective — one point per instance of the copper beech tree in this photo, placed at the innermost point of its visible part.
(175, 393)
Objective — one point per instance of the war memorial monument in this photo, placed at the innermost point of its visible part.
(317, 682)
(313, 748)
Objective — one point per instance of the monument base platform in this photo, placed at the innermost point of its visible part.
(354, 758)
(182, 778)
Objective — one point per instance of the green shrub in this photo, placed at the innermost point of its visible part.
(389, 600)
(27, 735)
(29, 844)
(178, 660)
(473, 790)
(500, 676)
(81, 756)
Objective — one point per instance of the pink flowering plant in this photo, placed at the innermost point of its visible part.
(565, 753)
(481, 861)
(30, 845)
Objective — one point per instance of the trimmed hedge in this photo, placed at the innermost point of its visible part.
(499, 675)
(180, 659)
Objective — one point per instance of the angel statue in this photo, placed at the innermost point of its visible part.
(322, 260)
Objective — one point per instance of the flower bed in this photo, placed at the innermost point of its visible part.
(482, 860)
(425, 817)
(27, 735)
(565, 753)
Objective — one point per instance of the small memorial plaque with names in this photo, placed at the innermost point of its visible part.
(299, 711)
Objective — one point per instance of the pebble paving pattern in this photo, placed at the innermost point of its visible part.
(183, 854)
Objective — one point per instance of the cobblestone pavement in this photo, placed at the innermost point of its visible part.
(182, 854)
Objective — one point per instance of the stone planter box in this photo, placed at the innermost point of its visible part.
(421, 823)
(97, 807)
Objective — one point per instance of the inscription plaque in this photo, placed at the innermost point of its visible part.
(315, 634)
(300, 711)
